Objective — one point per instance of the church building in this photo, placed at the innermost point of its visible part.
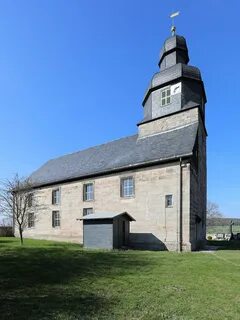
(157, 176)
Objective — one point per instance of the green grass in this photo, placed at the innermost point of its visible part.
(222, 229)
(49, 280)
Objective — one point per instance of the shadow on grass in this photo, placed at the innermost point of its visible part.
(5, 240)
(54, 306)
(77, 305)
(59, 282)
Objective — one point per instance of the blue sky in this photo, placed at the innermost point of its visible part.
(73, 74)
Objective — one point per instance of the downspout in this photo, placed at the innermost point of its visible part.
(180, 207)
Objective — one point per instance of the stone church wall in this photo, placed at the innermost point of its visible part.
(156, 226)
(198, 193)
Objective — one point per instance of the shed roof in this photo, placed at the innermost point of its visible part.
(125, 153)
(106, 215)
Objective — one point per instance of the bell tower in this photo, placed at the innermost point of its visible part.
(175, 98)
(177, 86)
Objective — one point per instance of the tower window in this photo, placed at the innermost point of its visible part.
(165, 96)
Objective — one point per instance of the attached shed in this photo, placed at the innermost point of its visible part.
(106, 230)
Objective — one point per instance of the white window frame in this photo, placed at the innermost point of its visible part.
(166, 96)
(56, 219)
(31, 220)
(88, 195)
(56, 196)
(127, 187)
(86, 213)
(30, 200)
(168, 197)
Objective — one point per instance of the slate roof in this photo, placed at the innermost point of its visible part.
(125, 153)
(174, 42)
(106, 215)
(172, 73)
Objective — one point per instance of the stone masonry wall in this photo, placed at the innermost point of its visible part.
(198, 193)
(168, 123)
(156, 227)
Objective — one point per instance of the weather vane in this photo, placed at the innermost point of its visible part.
(172, 16)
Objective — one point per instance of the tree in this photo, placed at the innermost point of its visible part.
(213, 210)
(18, 203)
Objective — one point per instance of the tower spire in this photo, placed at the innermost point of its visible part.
(173, 28)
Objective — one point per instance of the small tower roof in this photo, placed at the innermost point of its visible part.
(174, 68)
(174, 50)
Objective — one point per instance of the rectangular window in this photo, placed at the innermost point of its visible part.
(87, 211)
(56, 196)
(168, 200)
(165, 96)
(30, 200)
(56, 219)
(127, 187)
(88, 192)
(31, 220)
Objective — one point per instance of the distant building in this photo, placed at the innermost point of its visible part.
(158, 175)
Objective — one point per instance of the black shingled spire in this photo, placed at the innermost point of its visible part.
(173, 51)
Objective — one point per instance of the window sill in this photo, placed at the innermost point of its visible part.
(125, 198)
(168, 104)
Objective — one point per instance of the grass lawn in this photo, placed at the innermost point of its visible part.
(222, 229)
(49, 280)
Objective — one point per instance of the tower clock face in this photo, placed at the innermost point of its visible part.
(176, 88)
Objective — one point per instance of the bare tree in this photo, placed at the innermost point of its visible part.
(213, 210)
(18, 203)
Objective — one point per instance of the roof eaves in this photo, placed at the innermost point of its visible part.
(115, 170)
(106, 217)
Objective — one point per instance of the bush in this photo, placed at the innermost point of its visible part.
(209, 237)
(6, 231)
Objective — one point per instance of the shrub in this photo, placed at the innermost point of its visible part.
(6, 231)
(209, 237)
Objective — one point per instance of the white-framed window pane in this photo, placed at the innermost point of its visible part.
(165, 96)
(56, 196)
(56, 219)
(87, 211)
(30, 200)
(31, 220)
(88, 190)
(169, 200)
(127, 187)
